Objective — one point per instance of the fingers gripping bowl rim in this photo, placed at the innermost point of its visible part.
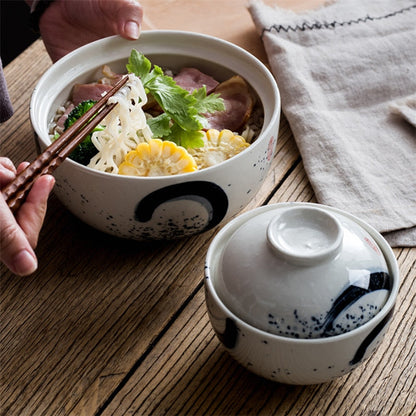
(109, 202)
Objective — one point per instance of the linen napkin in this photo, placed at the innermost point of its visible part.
(347, 77)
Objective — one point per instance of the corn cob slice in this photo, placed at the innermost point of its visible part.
(157, 158)
(219, 146)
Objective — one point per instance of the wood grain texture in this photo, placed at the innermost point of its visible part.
(114, 327)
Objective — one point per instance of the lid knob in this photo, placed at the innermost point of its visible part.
(305, 235)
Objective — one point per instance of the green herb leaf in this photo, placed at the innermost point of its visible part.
(186, 139)
(183, 110)
(207, 103)
(138, 65)
(175, 101)
(160, 125)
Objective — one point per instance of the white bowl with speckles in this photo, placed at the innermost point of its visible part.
(168, 207)
(300, 293)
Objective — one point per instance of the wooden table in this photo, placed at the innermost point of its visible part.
(114, 327)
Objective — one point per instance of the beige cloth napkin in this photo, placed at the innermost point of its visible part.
(347, 76)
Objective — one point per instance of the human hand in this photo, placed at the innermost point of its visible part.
(69, 24)
(19, 234)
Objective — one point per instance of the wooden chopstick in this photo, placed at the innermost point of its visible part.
(16, 191)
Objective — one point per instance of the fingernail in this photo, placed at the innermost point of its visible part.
(24, 263)
(51, 182)
(132, 29)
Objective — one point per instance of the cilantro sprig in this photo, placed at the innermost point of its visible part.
(182, 118)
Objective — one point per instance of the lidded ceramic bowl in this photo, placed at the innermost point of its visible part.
(300, 293)
(302, 272)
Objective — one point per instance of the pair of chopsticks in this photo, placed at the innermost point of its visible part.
(16, 191)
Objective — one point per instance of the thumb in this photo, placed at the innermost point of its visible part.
(15, 250)
(129, 19)
(31, 214)
(18, 235)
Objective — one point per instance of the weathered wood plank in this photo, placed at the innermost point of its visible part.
(185, 381)
(116, 327)
(73, 331)
(188, 372)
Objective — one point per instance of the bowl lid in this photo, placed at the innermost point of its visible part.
(302, 271)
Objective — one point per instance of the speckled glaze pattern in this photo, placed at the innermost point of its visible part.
(302, 286)
(165, 207)
(294, 361)
(176, 207)
(351, 309)
(286, 358)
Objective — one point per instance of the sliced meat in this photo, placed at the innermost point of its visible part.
(191, 79)
(61, 121)
(110, 77)
(83, 92)
(238, 102)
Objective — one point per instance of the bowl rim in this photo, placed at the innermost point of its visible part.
(147, 36)
(385, 248)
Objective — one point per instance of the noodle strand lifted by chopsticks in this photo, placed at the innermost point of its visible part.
(124, 128)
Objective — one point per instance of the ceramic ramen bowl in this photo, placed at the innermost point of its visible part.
(300, 293)
(164, 207)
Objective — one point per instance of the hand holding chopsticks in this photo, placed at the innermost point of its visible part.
(16, 191)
